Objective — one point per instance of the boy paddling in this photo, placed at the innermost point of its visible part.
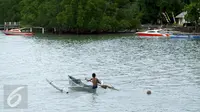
(95, 81)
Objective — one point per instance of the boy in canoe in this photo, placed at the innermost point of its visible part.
(96, 81)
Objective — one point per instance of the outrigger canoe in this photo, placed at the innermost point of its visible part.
(78, 85)
(74, 84)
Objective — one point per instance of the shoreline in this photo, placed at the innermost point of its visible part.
(174, 30)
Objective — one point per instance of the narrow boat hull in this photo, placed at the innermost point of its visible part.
(152, 33)
(78, 85)
(83, 89)
(149, 35)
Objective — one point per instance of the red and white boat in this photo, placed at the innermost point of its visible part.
(153, 33)
(17, 32)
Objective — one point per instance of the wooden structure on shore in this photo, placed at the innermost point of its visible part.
(11, 25)
(1, 27)
(42, 28)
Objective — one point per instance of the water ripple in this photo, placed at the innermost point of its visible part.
(169, 68)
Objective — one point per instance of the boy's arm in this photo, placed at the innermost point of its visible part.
(88, 79)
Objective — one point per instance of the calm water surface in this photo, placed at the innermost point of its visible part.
(170, 68)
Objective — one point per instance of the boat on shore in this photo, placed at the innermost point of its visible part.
(18, 31)
(158, 33)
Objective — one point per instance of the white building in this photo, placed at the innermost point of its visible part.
(181, 18)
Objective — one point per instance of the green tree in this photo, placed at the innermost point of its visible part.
(10, 10)
(152, 10)
(2, 12)
(193, 12)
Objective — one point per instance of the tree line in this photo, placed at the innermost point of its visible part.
(87, 16)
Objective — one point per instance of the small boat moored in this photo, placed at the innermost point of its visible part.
(159, 33)
(20, 31)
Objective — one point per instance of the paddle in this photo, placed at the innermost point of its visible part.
(108, 86)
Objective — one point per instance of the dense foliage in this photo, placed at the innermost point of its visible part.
(96, 15)
(193, 10)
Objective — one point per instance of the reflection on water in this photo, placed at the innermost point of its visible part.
(167, 67)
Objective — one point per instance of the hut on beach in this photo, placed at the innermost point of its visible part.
(181, 18)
